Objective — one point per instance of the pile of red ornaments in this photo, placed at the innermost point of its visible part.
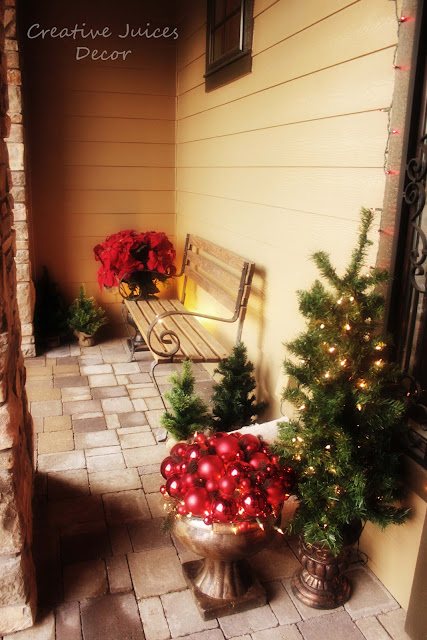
(227, 477)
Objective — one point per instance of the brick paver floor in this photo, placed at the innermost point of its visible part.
(104, 569)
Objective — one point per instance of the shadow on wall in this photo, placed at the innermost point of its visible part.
(257, 319)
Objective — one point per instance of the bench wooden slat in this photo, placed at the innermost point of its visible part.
(142, 323)
(187, 347)
(227, 279)
(220, 295)
(205, 345)
(229, 258)
(145, 306)
(204, 334)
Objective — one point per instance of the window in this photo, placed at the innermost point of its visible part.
(228, 41)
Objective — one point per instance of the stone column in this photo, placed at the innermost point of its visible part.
(19, 192)
(17, 576)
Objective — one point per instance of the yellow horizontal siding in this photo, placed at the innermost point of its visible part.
(331, 92)
(118, 202)
(116, 129)
(90, 224)
(158, 80)
(291, 145)
(115, 154)
(120, 178)
(285, 19)
(131, 105)
(309, 189)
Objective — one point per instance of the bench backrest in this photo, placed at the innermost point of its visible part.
(223, 274)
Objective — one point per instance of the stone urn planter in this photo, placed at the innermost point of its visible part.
(222, 582)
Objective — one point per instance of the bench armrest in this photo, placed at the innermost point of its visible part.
(171, 335)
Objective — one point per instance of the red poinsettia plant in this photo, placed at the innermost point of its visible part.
(137, 258)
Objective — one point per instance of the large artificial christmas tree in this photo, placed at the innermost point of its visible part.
(189, 413)
(233, 400)
(344, 440)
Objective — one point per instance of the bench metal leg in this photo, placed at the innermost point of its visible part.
(135, 342)
(153, 375)
(162, 434)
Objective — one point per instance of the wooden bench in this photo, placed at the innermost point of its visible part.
(170, 331)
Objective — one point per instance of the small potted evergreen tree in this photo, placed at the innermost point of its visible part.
(344, 442)
(189, 413)
(233, 401)
(85, 318)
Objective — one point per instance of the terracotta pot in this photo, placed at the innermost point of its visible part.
(222, 583)
(319, 582)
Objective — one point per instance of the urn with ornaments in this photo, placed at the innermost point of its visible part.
(224, 494)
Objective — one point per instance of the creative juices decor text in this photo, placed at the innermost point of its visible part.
(78, 32)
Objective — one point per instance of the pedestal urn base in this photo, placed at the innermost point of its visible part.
(197, 571)
(222, 582)
(319, 583)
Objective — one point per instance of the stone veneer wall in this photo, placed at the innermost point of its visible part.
(17, 577)
(19, 192)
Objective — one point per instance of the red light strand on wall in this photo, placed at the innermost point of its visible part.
(392, 132)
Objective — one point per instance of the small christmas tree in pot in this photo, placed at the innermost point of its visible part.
(344, 442)
(189, 413)
(233, 400)
(85, 318)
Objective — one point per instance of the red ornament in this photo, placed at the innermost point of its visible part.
(227, 485)
(173, 486)
(223, 510)
(201, 438)
(211, 486)
(238, 469)
(181, 467)
(163, 489)
(245, 485)
(216, 436)
(208, 520)
(274, 459)
(167, 468)
(250, 443)
(276, 493)
(210, 467)
(196, 501)
(193, 452)
(182, 510)
(226, 448)
(179, 449)
(236, 434)
(258, 461)
(189, 480)
(254, 504)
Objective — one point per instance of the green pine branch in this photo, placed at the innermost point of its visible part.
(84, 315)
(344, 440)
(189, 413)
(234, 402)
